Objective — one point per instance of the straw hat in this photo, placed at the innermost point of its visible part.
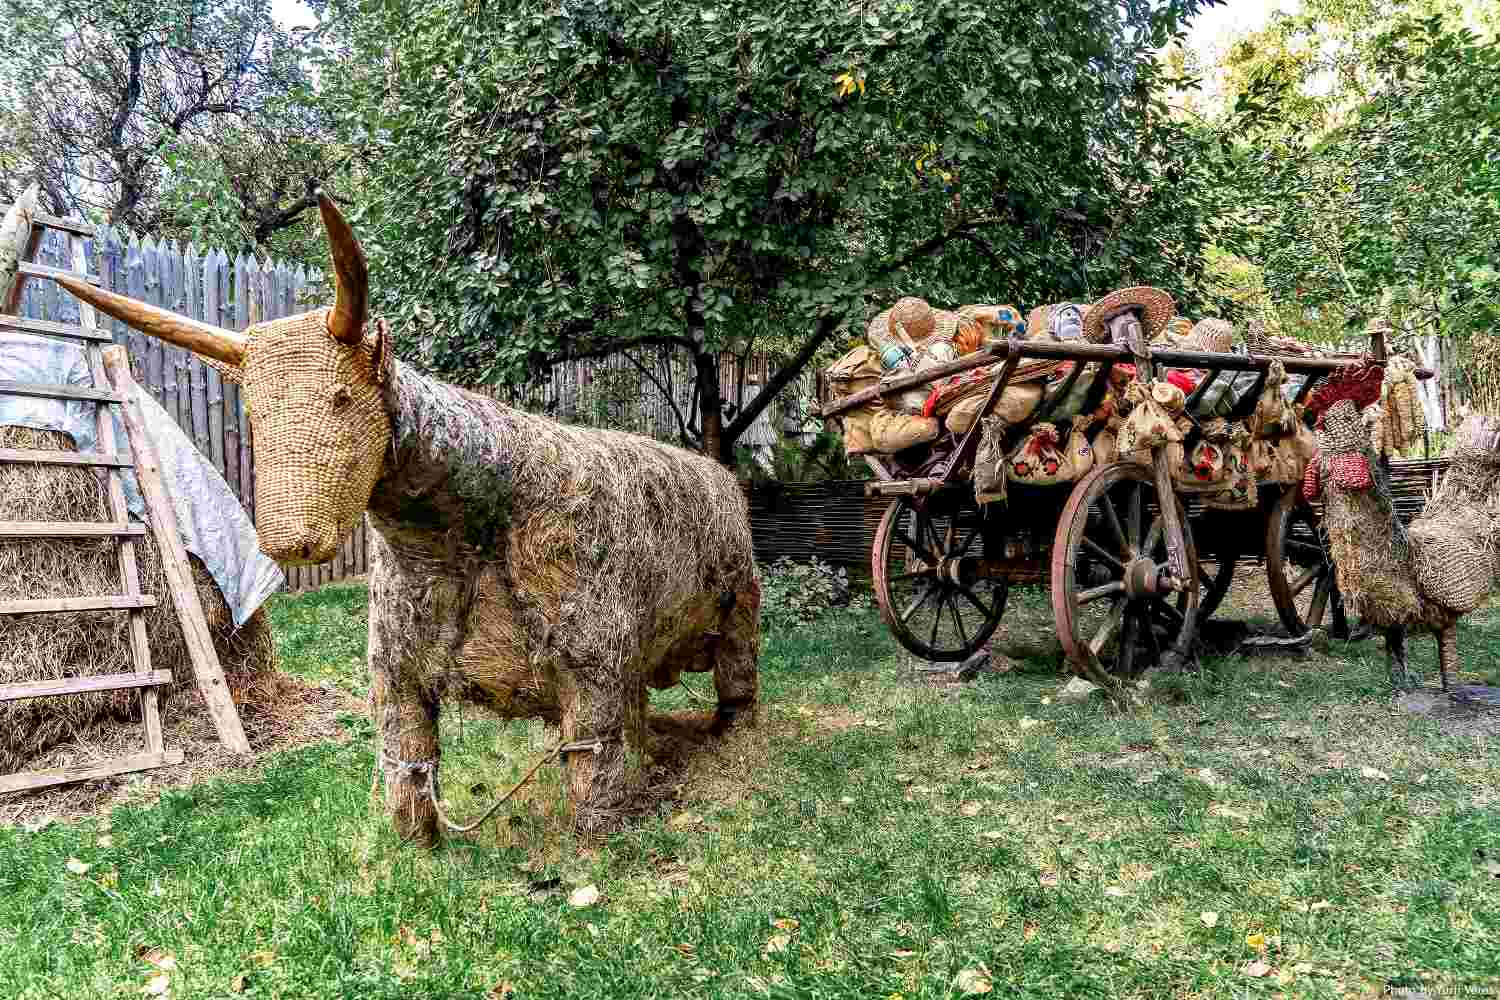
(1156, 306)
(1214, 334)
(915, 316)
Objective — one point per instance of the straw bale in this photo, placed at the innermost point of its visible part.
(42, 647)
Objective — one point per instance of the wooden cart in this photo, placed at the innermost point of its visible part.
(1133, 564)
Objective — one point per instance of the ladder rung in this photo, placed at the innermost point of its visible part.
(63, 775)
(31, 270)
(70, 529)
(58, 605)
(83, 685)
(26, 456)
(48, 328)
(59, 392)
(73, 226)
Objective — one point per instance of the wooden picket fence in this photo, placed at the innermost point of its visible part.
(236, 292)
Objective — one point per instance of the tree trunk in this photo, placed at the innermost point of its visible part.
(711, 410)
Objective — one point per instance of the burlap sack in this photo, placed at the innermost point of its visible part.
(1151, 420)
(1274, 416)
(1043, 458)
(1013, 406)
(858, 439)
(891, 432)
(989, 461)
(1240, 491)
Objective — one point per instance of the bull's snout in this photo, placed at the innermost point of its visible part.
(299, 548)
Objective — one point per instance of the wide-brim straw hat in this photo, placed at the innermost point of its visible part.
(1156, 306)
(914, 315)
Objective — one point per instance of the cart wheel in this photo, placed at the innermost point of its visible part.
(1109, 573)
(925, 566)
(1217, 576)
(1299, 569)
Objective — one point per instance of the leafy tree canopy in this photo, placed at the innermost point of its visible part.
(546, 180)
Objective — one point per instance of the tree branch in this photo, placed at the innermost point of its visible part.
(682, 427)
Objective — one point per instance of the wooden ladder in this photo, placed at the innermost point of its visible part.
(142, 459)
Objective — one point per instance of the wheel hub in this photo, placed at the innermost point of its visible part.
(960, 572)
(1145, 578)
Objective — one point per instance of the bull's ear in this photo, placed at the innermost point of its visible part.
(382, 354)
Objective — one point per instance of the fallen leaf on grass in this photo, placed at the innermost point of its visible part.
(1209, 918)
(1048, 880)
(777, 943)
(902, 954)
(161, 959)
(238, 983)
(992, 835)
(1208, 777)
(972, 982)
(1027, 722)
(1256, 941)
(586, 896)
(1062, 818)
(970, 808)
(785, 923)
(501, 991)
(1115, 891)
(1256, 969)
(265, 959)
(846, 800)
(1302, 968)
(78, 867)
(106, 841)
(1370, 772)
(684, 819)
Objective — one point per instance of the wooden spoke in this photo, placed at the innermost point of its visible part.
(1306, 579)
(1129, 626)
(958, 619)
(1098, 550)
(964, 548)
(914, 575)
(1160, 605)
(927, 557)
(1154, 536)
(917, 602)
(937, 618)
(1096, 593)
(1319, 602)
(1113, 520)
(1307, 549)
(1116, 616)
(968, 595)
(1137, 512)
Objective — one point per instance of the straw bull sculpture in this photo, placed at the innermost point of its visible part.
(538, 569)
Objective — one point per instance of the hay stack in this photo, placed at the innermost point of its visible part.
(42, 647)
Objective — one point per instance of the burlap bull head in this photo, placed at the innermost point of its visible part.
(315, 388)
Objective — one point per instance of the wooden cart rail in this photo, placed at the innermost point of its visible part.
(1017, 350)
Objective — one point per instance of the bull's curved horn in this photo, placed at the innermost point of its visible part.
(347, 321)
(200, 338)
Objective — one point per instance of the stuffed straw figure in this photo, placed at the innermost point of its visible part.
(1426, 577)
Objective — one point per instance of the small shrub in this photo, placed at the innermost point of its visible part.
(795, 593)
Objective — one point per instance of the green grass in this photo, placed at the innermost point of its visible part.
(912, 833)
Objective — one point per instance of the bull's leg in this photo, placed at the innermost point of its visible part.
(412, 639)
(602, 781)
(407, 738)
(737, 659)
(1447, 638)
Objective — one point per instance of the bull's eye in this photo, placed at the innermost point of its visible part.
(341, 399)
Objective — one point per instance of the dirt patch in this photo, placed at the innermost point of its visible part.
(278, 712)
(1452, 718)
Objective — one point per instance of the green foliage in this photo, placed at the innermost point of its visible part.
(800, 593)
(792, 462)
(548, 181)
(1383, 197)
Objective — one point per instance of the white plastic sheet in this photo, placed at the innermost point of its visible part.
(214, 526)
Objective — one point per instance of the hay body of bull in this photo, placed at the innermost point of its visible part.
(538, 569)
